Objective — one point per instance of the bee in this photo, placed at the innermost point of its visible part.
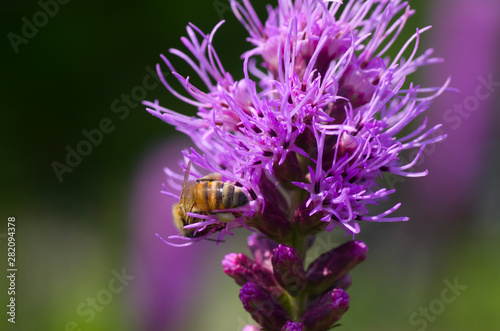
(203, 196)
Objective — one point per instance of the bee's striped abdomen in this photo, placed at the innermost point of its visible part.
(217, 195)
(202, 196)
(232, 196)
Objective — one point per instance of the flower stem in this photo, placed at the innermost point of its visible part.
(298, 303)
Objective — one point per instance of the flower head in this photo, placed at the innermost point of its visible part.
(316, 119)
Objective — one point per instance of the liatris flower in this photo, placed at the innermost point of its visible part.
(313, 123)
(321, 113)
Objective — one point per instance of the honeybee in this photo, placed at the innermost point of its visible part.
(202, 197)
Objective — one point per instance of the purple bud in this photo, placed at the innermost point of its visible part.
(289, 171)
(322, 314)
(307, 141)
(273, 221)
(243, 269)
(293, 326)
(272, 194)
(308, 223)
(264, 309)
(327, 269)
(346, 146)
(288, 269)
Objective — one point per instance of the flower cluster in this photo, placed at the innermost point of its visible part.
(281, 295)
(320, 114)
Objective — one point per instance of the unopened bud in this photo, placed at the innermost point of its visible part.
(328, 309)
(288, 269)
(293, 326)
(264, 309)
(327, 269)
(243, 269)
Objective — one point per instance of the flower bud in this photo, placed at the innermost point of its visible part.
(360, 80)
(347, 145)
(272, 194)
(289, 171)
(288, 269)
(328, 309)
(327, 269)
(243, 269)
(273, 221)
(264, 309)
(306, 223)
(293, 326)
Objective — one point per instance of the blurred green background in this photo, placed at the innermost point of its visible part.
(75, 235)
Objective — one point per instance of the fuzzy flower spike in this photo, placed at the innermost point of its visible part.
(297, 146)
(320, 114)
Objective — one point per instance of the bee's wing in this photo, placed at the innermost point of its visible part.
(186, 191)
(190, 209)
(185, 181)
(214, 176)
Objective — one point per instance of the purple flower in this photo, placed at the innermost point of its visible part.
(321, 114)
(318, 116)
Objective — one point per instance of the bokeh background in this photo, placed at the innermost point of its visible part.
(87, 255)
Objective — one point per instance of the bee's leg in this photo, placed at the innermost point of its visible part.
(225, 217)
(210, 177)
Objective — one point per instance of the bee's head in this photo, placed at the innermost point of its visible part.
(179, 218)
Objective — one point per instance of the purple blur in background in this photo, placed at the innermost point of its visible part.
(466, 35)
(164, 282)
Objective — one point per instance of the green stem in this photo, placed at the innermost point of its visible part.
(299, 241)
(298, 303)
